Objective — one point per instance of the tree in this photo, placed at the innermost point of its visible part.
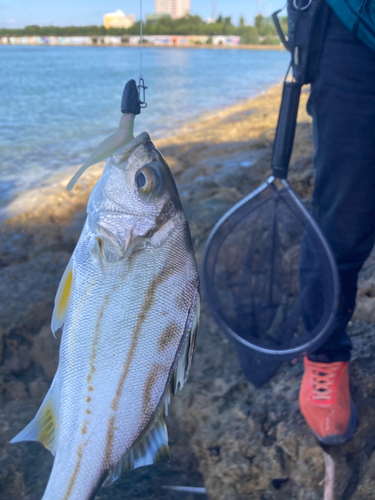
(185, 26)
(259, 22)
(265, 26)
(249, 35)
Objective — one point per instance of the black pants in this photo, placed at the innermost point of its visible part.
(342, 104)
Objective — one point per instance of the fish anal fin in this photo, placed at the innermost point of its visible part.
(149, 449)
(182, 367)
(42, 428)
(153, 446)
(62, 299)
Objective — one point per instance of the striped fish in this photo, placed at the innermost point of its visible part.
(128, 304)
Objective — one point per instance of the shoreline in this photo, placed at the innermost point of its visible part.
(56, 182)
(147, 45)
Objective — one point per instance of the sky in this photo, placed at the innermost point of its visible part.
(19, 13)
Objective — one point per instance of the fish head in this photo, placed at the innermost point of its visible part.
(136, 202)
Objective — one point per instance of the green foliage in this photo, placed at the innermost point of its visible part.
(188, 25)
(249, 35)
(270, 40)
(284, 24)
(265, 26)
(34, 30)
(259, 22)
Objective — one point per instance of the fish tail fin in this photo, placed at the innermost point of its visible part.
(43, 426)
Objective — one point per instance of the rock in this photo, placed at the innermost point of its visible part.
(13, 486)
(38, 388)
(14, 389)
(45, 352)
(365, 489)
(365, 304)
(240, 442)
(19, 361)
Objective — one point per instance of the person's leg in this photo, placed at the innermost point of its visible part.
(342, 104)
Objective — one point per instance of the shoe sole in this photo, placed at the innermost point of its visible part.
(337, 438)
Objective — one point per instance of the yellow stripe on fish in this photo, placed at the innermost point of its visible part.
(62, 299)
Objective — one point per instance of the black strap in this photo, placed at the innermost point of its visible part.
(306, 32)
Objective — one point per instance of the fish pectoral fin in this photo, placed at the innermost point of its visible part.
(151, 448)
(43, 426)
(62, 299)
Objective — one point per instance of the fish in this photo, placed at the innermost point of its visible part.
(128, 305)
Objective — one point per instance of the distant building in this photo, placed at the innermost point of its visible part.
(118, 20)
(160, 40)
(173, 8)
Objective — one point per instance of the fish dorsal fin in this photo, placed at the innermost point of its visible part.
(62, 299)
(43, 426)
(151, 448)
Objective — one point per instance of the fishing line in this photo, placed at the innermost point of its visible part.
(141, 47)
(141, 83)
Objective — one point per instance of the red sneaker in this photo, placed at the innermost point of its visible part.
(325, 402)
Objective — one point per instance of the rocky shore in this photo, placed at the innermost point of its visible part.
(239, 442)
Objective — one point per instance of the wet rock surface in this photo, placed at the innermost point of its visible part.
(239, 442)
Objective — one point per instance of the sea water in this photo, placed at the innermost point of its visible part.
(58, 103)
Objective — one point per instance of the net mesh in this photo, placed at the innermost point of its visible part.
(269, 276)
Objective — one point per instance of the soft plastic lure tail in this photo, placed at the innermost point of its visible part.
(130, 106)
(108, 147)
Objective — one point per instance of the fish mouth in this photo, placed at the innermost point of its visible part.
(123, 153)
(116, 246)
(106, 233)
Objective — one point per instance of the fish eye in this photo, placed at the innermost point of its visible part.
(147, 180)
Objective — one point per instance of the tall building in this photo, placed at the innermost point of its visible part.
(173, 8)
(118, 20)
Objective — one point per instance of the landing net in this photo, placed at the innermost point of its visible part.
(268, 275)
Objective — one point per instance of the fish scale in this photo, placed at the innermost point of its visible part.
(129, 306)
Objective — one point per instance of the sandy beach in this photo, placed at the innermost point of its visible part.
(239, 442)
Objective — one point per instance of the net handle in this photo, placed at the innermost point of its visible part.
(286, 127)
